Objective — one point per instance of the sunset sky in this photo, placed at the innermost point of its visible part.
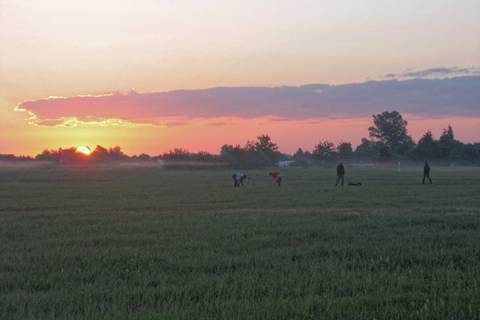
(135, 73)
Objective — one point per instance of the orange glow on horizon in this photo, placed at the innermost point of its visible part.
(209, 134)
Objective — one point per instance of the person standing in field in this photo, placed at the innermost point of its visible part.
(340, 174)
(236, 181)
(426, 173)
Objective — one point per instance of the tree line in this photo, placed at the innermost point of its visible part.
(388, 140)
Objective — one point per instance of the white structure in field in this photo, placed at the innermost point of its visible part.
(286, 163)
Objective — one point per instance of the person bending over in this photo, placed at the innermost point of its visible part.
(239, 179)
(243, 178)
(277, 177)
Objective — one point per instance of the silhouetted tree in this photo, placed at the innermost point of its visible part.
(267, 149)
(302, 158)
(366, 150)
(427, 147)
(14, 158)
(116, 153)
(345, 150)
(260, 153)
(324, 151)
(390, 129)
(471, 152)
(144, 157)
(237, 156)
(48, 155)
(299, 154)
(231, 153)
(450, 149)
(447, 135)
(177, 154)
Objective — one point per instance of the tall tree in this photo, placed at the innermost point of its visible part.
(447, 136)
(301, 157)
(345, 150)
(324, 150)
(427, 147)
(390, 129)
(265, 144)
(450, 148)
(267, 149)
(299, 154)
(235, 155)
(366, 149)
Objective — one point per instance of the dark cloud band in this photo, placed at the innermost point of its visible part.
(458, 96)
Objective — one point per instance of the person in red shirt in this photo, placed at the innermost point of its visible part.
(277, 177)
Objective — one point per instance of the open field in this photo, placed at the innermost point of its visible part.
(145, 243)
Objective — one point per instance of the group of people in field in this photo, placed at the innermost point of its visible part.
(239, 178)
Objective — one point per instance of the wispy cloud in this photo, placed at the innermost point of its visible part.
(437, 72)
(458, 96)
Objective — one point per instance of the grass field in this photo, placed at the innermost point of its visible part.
(145, 243)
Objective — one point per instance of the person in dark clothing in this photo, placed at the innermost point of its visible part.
(243, 178)
(239, 179)
(236, 181)
(426, 173)
(340, 174)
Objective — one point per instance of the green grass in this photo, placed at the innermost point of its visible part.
(145, 243)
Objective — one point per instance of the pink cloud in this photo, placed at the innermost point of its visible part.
(431, 98)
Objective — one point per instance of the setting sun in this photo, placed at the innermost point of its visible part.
(84, 150)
